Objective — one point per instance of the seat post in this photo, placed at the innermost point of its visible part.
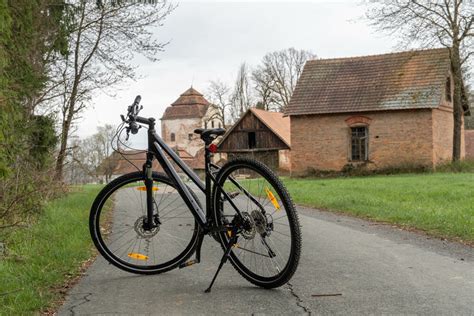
(207, 170)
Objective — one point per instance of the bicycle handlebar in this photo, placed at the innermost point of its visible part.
(133, 109)
(138, 98)
(132, 114)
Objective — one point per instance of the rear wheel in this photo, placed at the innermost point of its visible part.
(268, 249)
(116, 225)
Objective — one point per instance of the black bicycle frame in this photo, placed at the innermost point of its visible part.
(157, 148)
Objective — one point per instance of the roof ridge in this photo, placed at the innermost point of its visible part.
(191, 91)
(378, 55)
(262, 110)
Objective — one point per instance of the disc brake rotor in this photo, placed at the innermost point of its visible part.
(260, 220)
(250, 232)
(143, 233)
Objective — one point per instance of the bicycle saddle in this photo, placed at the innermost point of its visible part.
(208, 135)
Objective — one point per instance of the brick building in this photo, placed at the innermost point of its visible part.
(375, 112)
(190, 111)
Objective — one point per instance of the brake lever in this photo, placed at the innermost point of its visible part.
(128, 133)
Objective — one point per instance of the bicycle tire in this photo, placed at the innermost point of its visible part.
(98, 238)
(295, 252)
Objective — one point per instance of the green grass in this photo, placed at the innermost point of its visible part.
(441, 204)
(43, 256)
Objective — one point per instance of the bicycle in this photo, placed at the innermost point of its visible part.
(147, 222)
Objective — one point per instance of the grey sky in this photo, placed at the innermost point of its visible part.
(209, 39)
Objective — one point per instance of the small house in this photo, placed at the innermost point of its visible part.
(262, 135)
(374, 112)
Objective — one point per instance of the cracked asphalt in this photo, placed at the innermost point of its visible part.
(363, 267)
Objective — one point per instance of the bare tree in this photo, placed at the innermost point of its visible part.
(219, 94)
(275, 78)
(449, 23)
(92, 157)
(102, 144)
(103, 38)
(242, 94)
(78, 165)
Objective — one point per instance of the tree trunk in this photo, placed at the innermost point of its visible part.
(62, 151)
(458, 111)
(66, 126)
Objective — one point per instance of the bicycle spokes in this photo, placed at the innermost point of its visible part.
(265, 244)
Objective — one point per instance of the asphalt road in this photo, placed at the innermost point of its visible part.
(365, 268)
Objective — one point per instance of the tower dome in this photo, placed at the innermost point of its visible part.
(190, 104)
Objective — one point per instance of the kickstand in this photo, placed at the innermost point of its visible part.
(232, 242)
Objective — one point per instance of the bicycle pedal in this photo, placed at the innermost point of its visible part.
(188, 263)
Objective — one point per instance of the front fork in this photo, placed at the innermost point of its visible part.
(149, 223)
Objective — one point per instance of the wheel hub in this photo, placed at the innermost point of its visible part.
(141, 231)
(260, 220)
(249, 228)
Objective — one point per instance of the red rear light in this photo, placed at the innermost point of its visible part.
(212, 148)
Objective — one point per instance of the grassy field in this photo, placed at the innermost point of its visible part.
(43, 256)
(441, 204)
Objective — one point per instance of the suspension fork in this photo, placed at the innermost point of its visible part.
(148, 172)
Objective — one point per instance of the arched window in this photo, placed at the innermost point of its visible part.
(212, 124)
(359, 143)
(172, 137)
(219, 124)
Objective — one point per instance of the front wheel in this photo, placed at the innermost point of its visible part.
(117, 225)
(268, 249)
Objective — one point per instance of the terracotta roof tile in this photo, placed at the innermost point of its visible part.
(190, 104)
(406, 80)
(276, 122)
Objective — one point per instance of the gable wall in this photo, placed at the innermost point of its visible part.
(181, 128)
(237, 140)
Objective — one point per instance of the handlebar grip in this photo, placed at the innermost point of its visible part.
(138, 98)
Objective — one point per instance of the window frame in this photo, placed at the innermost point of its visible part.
(361, 140)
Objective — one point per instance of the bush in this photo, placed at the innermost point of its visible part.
(352, 170)
(23, 194)
(458, 166)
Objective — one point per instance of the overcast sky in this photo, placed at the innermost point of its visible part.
(209, 40)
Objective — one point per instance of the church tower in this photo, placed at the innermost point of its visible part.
(190, 111)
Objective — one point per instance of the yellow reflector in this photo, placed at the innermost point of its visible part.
(144, 189)
(137, 256)
(272, 198)
(229, 233)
